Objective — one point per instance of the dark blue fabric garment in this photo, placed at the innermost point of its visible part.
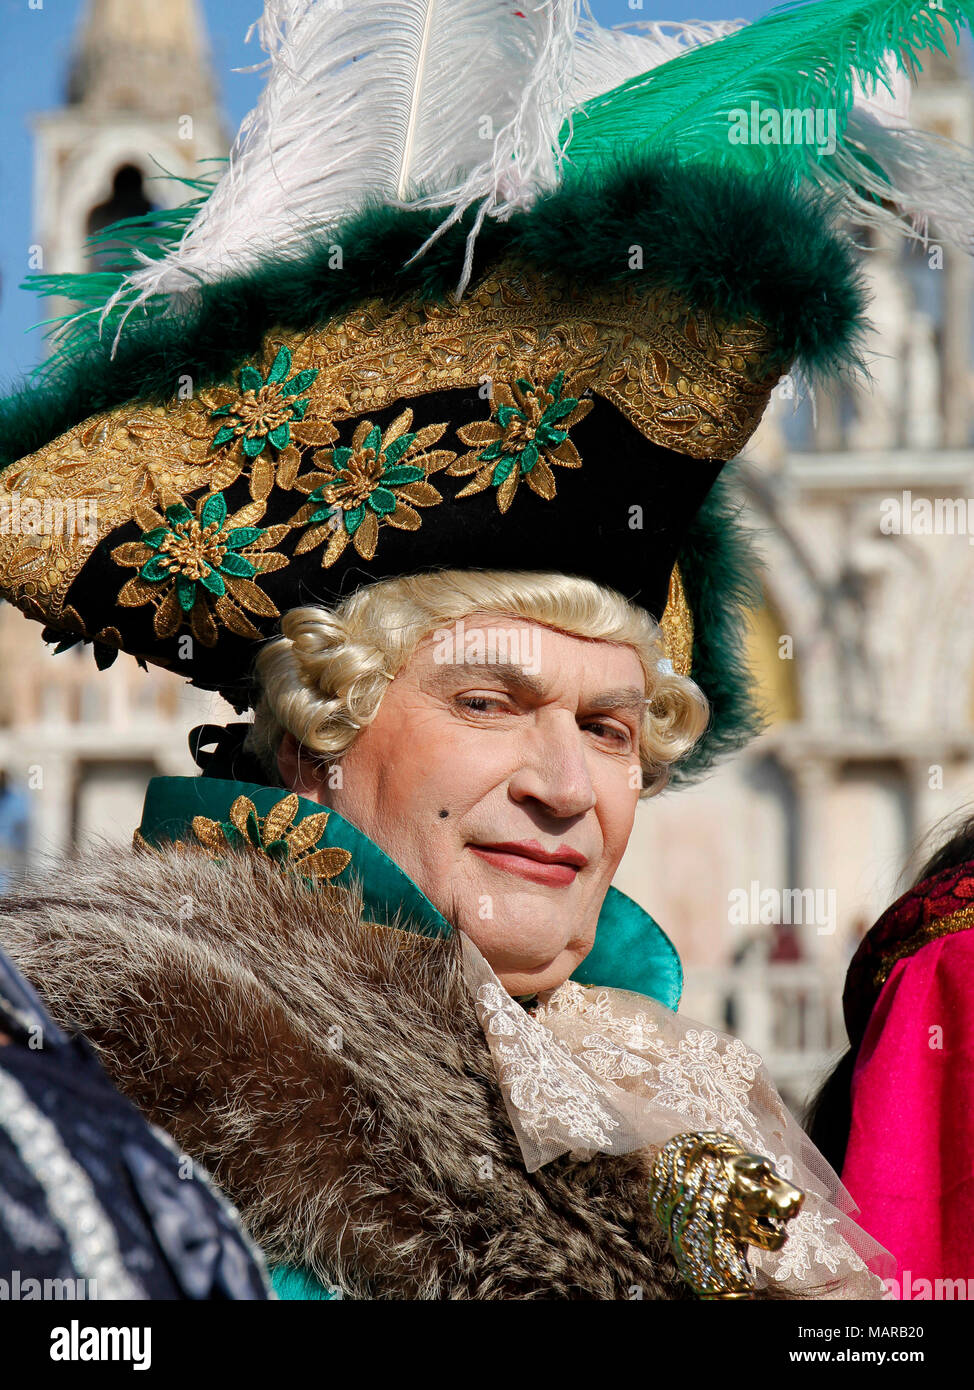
(66, 1133)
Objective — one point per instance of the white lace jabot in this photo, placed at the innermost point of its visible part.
(591, 1070)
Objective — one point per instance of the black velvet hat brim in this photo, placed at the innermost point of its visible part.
(620, 520)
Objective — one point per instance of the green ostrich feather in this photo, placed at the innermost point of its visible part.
(801, 56)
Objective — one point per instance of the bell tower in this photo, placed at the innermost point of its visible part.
(141, 102)
(140, 94)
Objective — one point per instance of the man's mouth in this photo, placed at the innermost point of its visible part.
(530, 860)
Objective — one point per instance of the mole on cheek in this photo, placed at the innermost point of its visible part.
(444, 813)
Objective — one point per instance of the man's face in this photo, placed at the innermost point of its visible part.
(507, 796)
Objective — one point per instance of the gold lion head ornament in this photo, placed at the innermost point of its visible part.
(714, 1198)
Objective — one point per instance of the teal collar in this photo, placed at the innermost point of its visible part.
(631, 951)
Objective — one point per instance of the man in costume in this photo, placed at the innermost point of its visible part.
(409, 376)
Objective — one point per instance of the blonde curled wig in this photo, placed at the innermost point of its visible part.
(323, 679)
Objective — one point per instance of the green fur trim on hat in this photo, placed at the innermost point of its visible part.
(737, 245)
(721, 578)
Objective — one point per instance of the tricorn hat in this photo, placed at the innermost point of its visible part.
(481, 287)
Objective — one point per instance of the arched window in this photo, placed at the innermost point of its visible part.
(127, 200)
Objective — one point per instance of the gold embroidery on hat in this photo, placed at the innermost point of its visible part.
(527, 432)
(961, 920)
(200, 566)
(379, 480)
(684, 378)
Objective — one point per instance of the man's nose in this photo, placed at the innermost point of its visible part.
(554, 770)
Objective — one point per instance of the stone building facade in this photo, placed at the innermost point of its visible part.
(140, 102)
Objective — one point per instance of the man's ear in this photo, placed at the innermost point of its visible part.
(299, 771)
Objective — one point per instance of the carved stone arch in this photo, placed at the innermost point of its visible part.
(129, 198)
(796, 598)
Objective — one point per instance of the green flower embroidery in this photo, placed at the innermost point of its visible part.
(262, 415)
(197, 551)
(381, 477)
(186, 560)
(527, 432)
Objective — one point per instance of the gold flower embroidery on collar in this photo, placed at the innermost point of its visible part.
(275, 836)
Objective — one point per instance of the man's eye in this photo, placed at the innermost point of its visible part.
(497, 704)
(480, 704)
(612, 732)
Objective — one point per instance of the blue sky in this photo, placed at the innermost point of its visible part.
(36, 39)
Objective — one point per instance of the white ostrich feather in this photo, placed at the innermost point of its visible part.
(929, 180)
(420, 103)
(600, 59)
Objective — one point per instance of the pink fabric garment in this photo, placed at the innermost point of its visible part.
(910, 1161)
